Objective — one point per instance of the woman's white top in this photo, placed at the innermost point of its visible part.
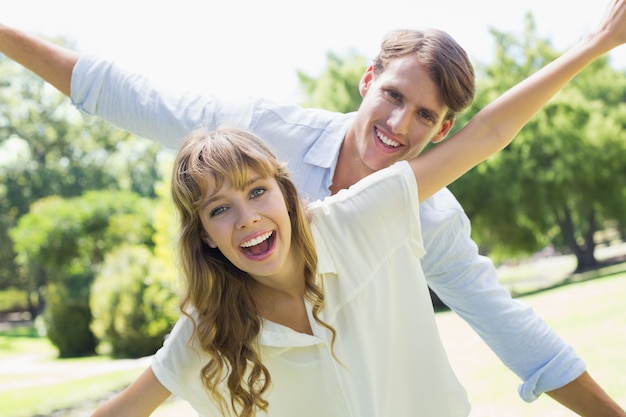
(392, 361)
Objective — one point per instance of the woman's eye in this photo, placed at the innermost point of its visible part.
(257, 192)
(217, 211)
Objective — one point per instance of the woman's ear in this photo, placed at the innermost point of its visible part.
(207, 239)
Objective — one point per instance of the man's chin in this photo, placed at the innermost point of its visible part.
(376, 164)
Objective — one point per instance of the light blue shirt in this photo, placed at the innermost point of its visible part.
(309, 141)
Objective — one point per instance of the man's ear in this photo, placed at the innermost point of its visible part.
(446, 126)
(366, 80)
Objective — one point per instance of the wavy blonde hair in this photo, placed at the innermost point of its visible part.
(228, 322)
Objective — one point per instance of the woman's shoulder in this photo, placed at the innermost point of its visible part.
(394, 186)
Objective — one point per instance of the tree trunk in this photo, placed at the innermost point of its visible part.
(585, 256)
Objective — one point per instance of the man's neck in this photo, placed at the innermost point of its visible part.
(349, 169)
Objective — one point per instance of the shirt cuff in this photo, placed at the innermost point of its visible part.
(560, 371)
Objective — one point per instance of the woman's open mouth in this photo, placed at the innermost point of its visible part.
(259, 245)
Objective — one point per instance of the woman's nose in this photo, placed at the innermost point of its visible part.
(246, 217)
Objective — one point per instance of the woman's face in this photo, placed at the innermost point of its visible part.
(251, 227)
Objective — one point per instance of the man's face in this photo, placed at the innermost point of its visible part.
(402, 111)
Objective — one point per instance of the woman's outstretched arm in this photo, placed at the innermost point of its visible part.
(140, 399)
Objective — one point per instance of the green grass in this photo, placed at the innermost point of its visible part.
(589, 315)
(41, 400)
(46, 394)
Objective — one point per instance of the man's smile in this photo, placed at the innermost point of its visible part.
(390, 143)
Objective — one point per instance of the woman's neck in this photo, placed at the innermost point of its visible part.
(284, 306)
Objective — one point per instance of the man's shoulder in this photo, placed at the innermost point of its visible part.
(297, 115)
(440, 202)
(442, 215)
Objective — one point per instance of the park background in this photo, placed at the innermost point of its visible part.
(281, 51)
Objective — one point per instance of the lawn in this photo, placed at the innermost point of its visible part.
(40, 400)
(589, 315)
(34, 382)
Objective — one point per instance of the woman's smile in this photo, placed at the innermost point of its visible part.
(259, 247)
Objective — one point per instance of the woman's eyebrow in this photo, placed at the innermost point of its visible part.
(217, 195)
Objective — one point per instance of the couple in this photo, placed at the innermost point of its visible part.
(296, 331)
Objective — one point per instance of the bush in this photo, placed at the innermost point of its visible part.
(67, 318)
(134, 302)
(13, 299)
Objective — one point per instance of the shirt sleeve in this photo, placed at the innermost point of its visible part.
(376, 213)
(468, 284)
(138, 105)
(176, 364)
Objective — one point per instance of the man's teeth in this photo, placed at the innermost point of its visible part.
(384, 139)
(256, 240)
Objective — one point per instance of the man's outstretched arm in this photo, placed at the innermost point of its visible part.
(51, 62)
(585, 397)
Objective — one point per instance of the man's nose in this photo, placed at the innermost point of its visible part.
(400, 120)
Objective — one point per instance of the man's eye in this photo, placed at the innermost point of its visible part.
(426, 115)
(394, 95)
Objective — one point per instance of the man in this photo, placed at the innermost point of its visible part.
(411, 93)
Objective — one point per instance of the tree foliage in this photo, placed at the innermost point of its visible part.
(47, 149)
(135, 296)
(561, 179)
(337, 88)
(133, 302)
(64, 242)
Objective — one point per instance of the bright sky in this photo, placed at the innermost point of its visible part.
(239, 48)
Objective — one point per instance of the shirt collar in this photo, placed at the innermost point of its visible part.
(324, 152)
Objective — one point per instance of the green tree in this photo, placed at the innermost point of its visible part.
(133, 301)
(559, 182)
(337, 88)
(553, 185)
(67, 240)
(135, 296)
(46, 149)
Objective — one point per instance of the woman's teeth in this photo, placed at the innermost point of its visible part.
(256, 240)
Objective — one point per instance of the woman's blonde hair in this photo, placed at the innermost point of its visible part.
(228, 322)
